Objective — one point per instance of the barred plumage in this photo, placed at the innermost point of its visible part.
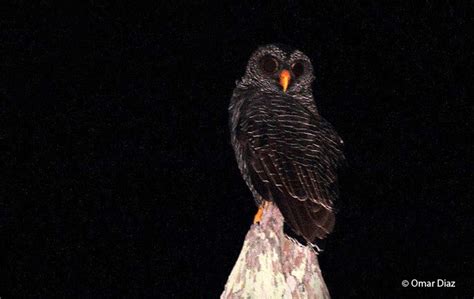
(286, 152)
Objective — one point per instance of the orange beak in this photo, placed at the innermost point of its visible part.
(285, 78)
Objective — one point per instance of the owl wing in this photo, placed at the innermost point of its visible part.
(292, 157)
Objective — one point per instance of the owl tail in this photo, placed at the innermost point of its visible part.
(304, 222)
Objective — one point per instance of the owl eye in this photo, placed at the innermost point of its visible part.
(297, 68)
(269, 64)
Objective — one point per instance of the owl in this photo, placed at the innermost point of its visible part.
(286, 152)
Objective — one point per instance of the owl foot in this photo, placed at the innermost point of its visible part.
(258, 217)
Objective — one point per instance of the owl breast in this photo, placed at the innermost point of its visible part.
(266, 122)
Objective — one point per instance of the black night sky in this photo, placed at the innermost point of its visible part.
(117, 174)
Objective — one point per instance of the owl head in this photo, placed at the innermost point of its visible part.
(279, 68)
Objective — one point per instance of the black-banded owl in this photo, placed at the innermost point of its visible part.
(287, 153)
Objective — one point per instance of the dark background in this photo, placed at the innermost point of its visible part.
(117, 174)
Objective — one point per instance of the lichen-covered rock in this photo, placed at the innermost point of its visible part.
(271, 265)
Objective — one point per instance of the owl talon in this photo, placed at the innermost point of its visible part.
(258, 216)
